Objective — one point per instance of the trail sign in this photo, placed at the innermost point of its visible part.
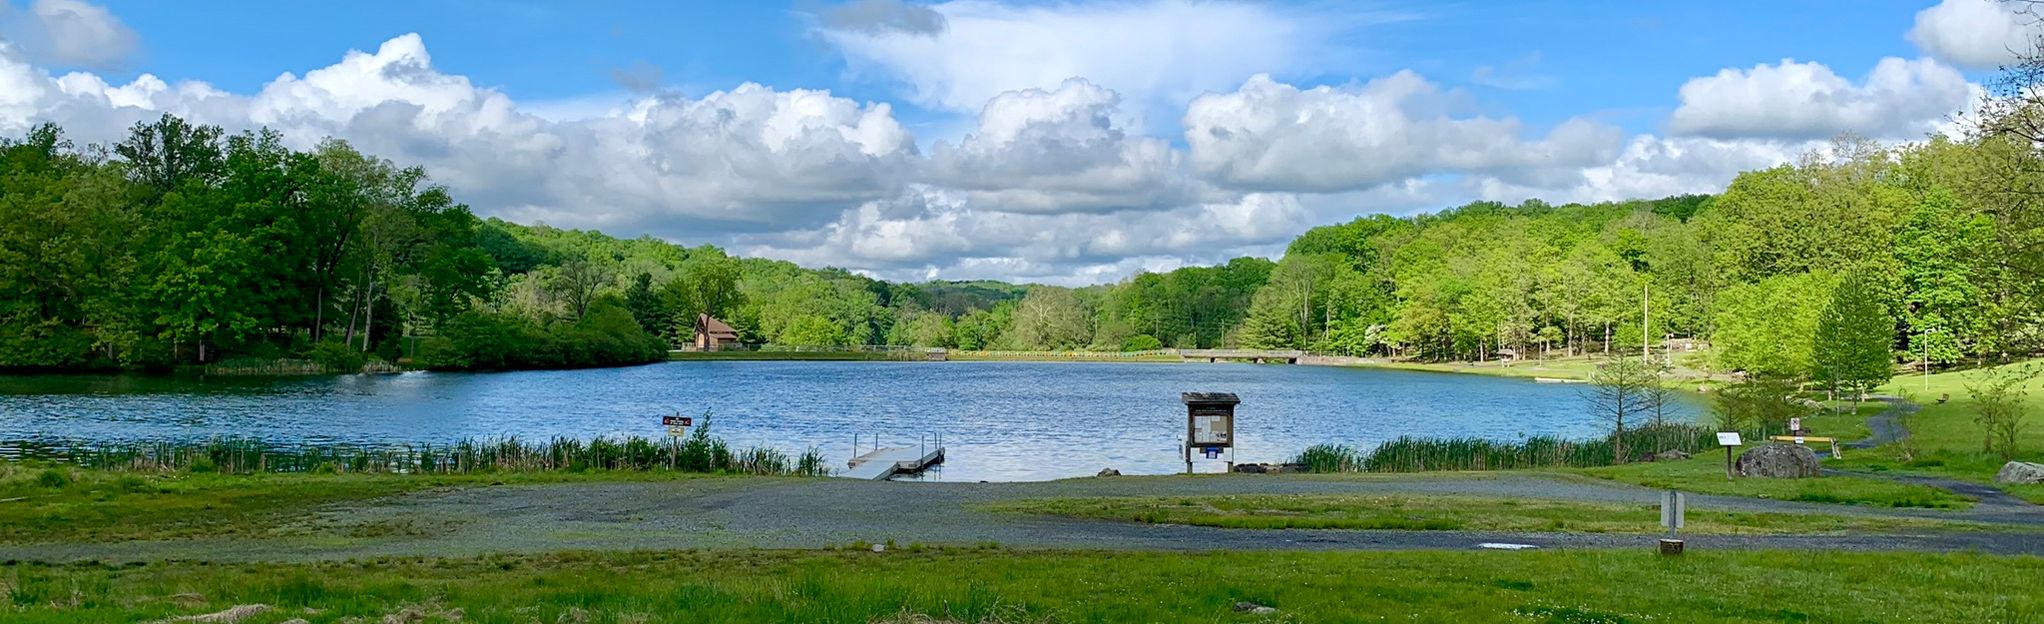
(1729, 439)
(1673, 506)
(678, 421)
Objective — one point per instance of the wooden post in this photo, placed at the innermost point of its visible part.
(1728, 463)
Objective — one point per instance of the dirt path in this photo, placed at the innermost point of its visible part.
(816, 513)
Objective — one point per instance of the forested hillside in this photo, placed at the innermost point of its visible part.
(182, 245)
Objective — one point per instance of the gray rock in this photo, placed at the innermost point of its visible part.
(1668, 455)
(1108, 472)
(2020, 473)
(1251, 607)
(1778, 461)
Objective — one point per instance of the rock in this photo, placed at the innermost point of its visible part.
(1668, 455)
(1108, 472)
(1251, 607)
(2020, 473)
(1778, 461)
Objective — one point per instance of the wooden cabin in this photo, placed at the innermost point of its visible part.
(713, 334)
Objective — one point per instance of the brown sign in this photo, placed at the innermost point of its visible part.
(678, 421)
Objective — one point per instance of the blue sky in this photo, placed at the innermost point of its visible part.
(1068, 142)
(1620, 59)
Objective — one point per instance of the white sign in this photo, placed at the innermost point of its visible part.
(1728, 438)
(1673, 506)
(1795, 424)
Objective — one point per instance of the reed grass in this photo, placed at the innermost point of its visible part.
(1417, 454)
(1331, 458)
(698, 453)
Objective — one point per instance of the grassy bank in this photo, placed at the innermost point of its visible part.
(989, 586)
(1945, 441)
(1706, 474)
(1444, 513)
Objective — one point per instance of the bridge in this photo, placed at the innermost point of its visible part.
(1260, 356)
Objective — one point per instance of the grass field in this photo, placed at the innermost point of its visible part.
(1445, 513)
(41, 503)
(1947, 442)
(910, 585)
(1706, 474)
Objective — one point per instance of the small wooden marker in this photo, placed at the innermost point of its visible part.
(1671, 547)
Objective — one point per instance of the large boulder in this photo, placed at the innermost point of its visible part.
(1778, 461)
(2020, 473)
(1108, 472)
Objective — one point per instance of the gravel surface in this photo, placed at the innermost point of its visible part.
(1886, 427)
(813, 513)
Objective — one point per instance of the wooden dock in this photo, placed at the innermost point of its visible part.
(883, 463)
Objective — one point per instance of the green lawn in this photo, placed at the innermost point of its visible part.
(1947, 442)
(41, 503)
(1444, 513)
(909, 585)
(1706, 474)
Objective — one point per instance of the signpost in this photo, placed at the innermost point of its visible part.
(1795, 425)
(677, 428)
(1728, 439)
(1673, 507)
(1209, 425)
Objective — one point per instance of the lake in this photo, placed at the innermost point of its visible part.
(1001, 421)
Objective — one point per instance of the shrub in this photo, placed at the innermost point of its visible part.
(338, 357)
(53, 479)
(1142, 342)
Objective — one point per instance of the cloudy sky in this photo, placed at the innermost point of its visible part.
(1059, 142)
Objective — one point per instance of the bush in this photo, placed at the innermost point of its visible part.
(53, 479)
(1142, 342)
(338, 357)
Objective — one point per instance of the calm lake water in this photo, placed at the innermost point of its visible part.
(1002, 421)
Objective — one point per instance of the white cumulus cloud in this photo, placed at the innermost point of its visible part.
(69, 32)
(1061, 150)
(1900, 99)
(1269, 135)
(1979, 34)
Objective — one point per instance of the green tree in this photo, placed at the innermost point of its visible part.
(1767, 327)
(1853, 344)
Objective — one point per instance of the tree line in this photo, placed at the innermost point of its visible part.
(182, 245)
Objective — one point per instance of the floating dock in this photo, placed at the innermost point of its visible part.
(883, 463)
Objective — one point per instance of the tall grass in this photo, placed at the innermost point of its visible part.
(698, 453)
(1415, 454)
(1331, 458)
